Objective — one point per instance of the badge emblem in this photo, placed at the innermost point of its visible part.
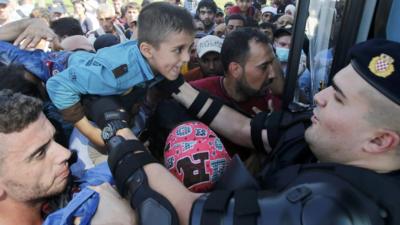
(382, 66)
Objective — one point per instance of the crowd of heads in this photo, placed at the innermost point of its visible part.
(239, 47)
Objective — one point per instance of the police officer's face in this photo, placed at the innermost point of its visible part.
(339, 130)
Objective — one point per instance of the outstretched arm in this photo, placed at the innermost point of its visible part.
(27, 32)
(229, 123)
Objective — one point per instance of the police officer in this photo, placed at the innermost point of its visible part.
(339, 166)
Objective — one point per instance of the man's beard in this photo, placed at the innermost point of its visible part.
(245, 90)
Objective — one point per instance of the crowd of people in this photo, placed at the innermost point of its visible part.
(112, 114)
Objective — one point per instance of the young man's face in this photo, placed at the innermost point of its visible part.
(243, 5)
(283, 41)
(219, 19)
(211, 64)
(199, 26)
(117, 6)
(79, 9)
(35, 166)
(4, 11)
(339, 128)
(106, 22)
(131, 15)
(266, 17)
(171, 54)
(268, 31)
(206, 15)
(233, 25)
(257, 72)
(227, 9)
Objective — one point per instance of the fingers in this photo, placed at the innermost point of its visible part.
(20, 39)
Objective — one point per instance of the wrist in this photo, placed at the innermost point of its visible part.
(126, 133)
(111, 129)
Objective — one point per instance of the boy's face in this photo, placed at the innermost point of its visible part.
(171, 54)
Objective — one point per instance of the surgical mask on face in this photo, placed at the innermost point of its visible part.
(282, 54)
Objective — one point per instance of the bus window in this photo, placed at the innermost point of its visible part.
(322, 28)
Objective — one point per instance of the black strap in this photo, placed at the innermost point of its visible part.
(257, 125)
(198, 103)
(171, 86)
(214, 207)
(130, 163)
(246, 207)
(272, 124)
(119, 150)
(212, 111)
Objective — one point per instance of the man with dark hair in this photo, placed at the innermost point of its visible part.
(250, 68)
(234, 22)
(34, 168)
(65, 27)
(268, 29)
(206, 10)
(27, 141)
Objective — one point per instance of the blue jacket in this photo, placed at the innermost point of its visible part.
(110, 71)
(41, 64)
(83, 204)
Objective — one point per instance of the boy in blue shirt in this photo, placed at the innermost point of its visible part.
(165, 37)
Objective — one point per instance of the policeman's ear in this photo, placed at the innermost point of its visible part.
(235, 69)
(146, 49)
(383, 141)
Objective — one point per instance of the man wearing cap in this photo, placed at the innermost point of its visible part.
(267, 14)
(208, 51)
(219, 17)
(341, 160)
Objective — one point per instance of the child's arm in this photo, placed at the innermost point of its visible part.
(92, 133)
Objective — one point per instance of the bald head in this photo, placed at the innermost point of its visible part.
(76, 42)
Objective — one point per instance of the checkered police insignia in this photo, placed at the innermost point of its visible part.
(382, 66)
